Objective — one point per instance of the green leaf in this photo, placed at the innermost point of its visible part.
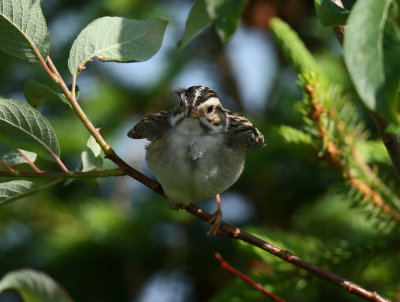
(373, 151)
(116, 39)
(21, 126)
(226, 14)
(330, 14)
(392, 128)
(292, 47)
(16, 189)
(91, 159)
(34, 286)
(90, 162)
(37, 93)
(371, 49)
(197, 20)
(12, 157)
(94, 146)
(293, 140)
(23, 30)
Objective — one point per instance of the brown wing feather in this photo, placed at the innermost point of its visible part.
(242, 133)
(152, 126)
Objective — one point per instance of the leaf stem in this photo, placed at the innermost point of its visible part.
(8, 168)
(34, 167)
(78, 110)
(225, 265)
(60, 175)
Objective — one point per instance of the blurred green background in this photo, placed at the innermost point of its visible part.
(119, 241)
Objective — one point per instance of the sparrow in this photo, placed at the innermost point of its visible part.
(197, 149)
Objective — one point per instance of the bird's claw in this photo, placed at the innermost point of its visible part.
(215, 220)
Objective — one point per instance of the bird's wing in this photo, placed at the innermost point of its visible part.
(241, 132)
(152, 126)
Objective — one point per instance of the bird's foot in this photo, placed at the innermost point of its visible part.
(215, 220)
(176, 205)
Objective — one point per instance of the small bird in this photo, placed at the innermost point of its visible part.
(197, 149)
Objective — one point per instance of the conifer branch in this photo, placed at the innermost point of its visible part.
(333, 155)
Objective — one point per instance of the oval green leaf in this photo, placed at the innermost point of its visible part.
(34, 286)
(116, 39)
(16, 189)
(23, 30)
(226, 14)
(371, 50)
(331, 14)
(21, 126)
(197, 20)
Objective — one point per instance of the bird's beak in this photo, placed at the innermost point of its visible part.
(192, 112)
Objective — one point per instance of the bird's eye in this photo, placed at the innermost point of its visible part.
(210, 109)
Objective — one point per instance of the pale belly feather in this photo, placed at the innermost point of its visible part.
(192, 166)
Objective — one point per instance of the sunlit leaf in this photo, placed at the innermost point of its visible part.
(34, 286)
(90, 162)
(23, 29)
(226, 14)
(91, 159)
(116, 39)
(292, 46)
(371, 50)
(330, 14)
(197, 20)
(21, 126)
(93, 146)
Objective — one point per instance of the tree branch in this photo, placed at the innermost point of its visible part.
(225, 265)
(60, 175)
(333, 156)
(225, 228)
(229, 230)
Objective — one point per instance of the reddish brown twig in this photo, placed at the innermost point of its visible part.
(29, 161)
(225, 265)
(8, 168)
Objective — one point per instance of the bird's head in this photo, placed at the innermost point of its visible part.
(202, 103)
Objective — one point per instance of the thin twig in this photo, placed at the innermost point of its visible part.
(225, 265)
(78, 110)
(57, 159)
(225, 228)
(34, 167)
(10, 170)
(229, 230)
(78, 174)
